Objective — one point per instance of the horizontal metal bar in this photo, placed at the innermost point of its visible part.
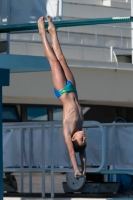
(117, 171)
(19, 170)
(19, 127)
(117, 27)
(65, 23)
(56, 124)
(63, 170)
(118, 124)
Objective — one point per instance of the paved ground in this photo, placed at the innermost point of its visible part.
(37, 181)
(19, 198)
(59, 178)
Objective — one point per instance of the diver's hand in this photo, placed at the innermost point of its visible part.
(83, 173)
(77, 174)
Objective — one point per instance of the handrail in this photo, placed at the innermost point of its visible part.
(43, 169)
(77, 45)
(112, 48)
(91, 124)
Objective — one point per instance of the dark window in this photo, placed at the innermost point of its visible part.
(57, 113)
(10, 114)
(37, 114)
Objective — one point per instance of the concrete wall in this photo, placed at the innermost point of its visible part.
(112, 86)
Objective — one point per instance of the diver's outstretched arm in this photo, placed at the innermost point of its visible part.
(71, 152)
(82, 156)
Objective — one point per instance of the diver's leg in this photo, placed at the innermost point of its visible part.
(58, 51)
(58, 76)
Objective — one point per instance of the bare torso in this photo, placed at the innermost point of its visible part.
(72, 113)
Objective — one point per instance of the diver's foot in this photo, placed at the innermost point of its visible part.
(51, 27)
(41, 26)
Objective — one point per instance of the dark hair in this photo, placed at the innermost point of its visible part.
(77, 147)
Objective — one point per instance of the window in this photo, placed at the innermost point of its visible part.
(10, 114)
(37, 114)
(57, 113)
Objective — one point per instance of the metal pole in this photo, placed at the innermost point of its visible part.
(132, 28)
(111, 54)
(1, 148)
(106, 163)
(95, 35)
(30, 160)
(52, 160)
(21, 158)
(114, 151)
(43, 161)
(121, 37)
(1, 12)
(8, 22)
(60, 9)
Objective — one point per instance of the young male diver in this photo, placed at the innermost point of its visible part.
(65, 90)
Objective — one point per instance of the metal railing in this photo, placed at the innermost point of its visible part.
(53, 169)
(124, 1)
(111, 53)
(120, 34)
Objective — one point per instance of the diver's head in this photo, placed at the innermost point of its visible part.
(79, 141)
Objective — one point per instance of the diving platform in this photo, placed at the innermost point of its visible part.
(24, 63)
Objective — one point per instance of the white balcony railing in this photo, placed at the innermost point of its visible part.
(32, 148)
(117, 39)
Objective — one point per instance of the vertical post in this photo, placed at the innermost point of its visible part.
(21, 158)
(132, 28)
(8, 22)
(43, 160)
(52, 160)
(121, 38)
(68, 34)
(60, 9)
(4, 81)
(0, 15)
(106, 162)
(111, 54)
(114, 151)
(95, 35)
(30, 160)
(1, 148)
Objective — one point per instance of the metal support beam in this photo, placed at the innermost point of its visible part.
(21, 63)
(4, 81)
(65, 23)
(1, 150)
(132, 28)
